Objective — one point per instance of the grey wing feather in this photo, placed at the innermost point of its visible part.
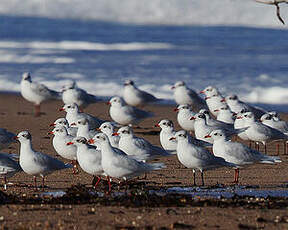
(45, 91)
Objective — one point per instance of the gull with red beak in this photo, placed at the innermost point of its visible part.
(36, 163)
(69, 152)
(62, 122)
(195, 157)
(73, 114)
(89, 158)
(184, 95)
(237, 153)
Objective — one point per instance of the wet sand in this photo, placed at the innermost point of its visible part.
(16, 115)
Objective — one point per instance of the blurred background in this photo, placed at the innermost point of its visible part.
(238, 46)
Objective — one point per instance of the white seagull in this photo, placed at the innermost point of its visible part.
(184, 95)
(73, 114)
(237, 153)
(36, 163)
(136, 146)
(194, 157)
(62, 122)
(183, 117)
(61, 137)
(89, 158)
(136, 97)
(124, 114)
(119, 165)
(36, 93)
(108, 128)
(73, 94)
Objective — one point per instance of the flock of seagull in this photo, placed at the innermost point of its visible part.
(100, 150)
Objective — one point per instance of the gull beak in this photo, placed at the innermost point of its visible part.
(61, 109)
(216, 110)
(206, 98)
(108, 103)
(207, 136)
(202, 91)
(91, 141)
(192, 118)
(115, 134)
(53, 124)
(15, 138)
(172, 138)
(73, 124)
(223, 100)
(173, 87)
(98, 129)
(176, 110)
(50, 132)
(239, 117)
(69, 143)
(157, 125)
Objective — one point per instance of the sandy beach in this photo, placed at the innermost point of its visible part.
(17, 114)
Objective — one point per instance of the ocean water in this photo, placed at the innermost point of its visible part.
(99, 44)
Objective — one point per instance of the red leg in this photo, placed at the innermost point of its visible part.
(99, 179)
(277, 149)
(236, 176)
(109, 185)
(37, 111)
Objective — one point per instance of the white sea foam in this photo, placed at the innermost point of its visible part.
(83, 45)
(184, 12)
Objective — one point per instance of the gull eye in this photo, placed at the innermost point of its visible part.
(164, 123)
(104, 126)
(69, 107)
(98, 137)
(215, 134)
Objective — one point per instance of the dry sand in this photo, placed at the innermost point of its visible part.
(16, 115)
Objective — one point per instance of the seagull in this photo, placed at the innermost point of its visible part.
(240, 124)
(184, 95)
(72, 94)
(84, 130)
(214, 99)
(183, 117)
(119, 165)
(276, 3)
(226, 115)
(8, 167)
(36, 163)
(195, 157)
(136, 146)
(89, 158)
(237, 153)
(36, 93)
(61, 137)
(108, 128)
(124, 114)
(6, 138)
(136, 97)
(60, 122)
(259, 132)
(237, 106)
(167, 131)
(73, 114)
(269, 120)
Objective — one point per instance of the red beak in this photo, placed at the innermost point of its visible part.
(53, 124)
(50, 132)
(98, 129)
(108, 103)
(73, 124)
(91, 141)
(176, 110)
(216, 110)
(15, 138)
(172, 138)
(157, 125)
(173, 87)
(192, 118)
(61, 109)
(239, 117)
(115, 134)
(70, 143)
(207, 136)
(202, 91)
(223, 100)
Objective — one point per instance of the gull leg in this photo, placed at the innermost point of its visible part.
(265, 148)
(194, 177)
(285, 147)
(250, 144)
(202, 178)
(109, 185)
(97, 182)
(43, 183)
(37, 111)
(236, 176)
(35, 182)
(277, 149)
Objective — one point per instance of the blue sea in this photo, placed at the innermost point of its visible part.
(101, 50)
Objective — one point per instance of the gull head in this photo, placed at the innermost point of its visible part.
(26, 77)
(23, 136)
